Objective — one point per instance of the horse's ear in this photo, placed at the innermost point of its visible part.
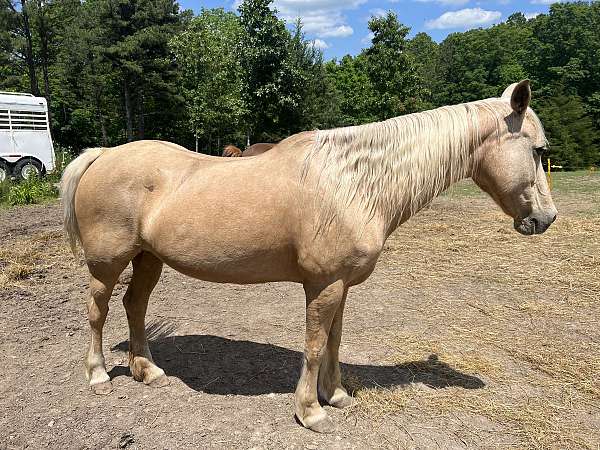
(520, 96)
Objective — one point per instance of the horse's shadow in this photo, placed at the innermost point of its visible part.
(217, 365)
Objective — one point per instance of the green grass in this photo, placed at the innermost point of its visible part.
(28, 192)
(36, 190)
(565, 183)
(580, 182)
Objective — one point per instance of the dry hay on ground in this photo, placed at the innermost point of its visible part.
(22, 258)
(530, 328)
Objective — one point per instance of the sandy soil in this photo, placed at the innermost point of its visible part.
(466, 336)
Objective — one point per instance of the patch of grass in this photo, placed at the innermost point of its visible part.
(580, 182)
(28, 192)
(564, 183)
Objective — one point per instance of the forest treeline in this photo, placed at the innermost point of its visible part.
(119, 70)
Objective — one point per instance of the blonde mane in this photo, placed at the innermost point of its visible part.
(399, 165)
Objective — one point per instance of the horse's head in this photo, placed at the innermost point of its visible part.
(508, 164)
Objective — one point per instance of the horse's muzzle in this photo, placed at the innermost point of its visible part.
(534, 225)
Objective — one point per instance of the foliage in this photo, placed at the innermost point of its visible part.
(27, 192)
(118, 70)
(207, 51)
(392, 70)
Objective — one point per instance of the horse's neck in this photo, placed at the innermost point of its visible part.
(395, 168)
(433, 165)
(435, 159)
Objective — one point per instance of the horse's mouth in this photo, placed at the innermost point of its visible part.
(530, 226)
(525, 226)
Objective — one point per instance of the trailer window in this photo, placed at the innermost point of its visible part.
(4, 124)
(27, 120)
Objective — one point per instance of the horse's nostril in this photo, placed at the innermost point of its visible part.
(554, 218)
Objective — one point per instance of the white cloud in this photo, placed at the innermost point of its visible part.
(320, 43)
(378, 12)
(464, 18)
(531, 15)
(322, 18)
(446, 2)
(339, 31)
(544, 2)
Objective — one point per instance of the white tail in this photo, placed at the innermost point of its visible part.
(68, 186)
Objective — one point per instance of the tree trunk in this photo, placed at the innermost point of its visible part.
(44, 56)
(101, 120)
(128, 112)
(141, 124)
(33, 81)
(103, 128)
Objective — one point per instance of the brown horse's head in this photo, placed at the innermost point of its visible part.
(508, 166)
(231, 151)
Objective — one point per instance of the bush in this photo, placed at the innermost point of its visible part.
(30, 191)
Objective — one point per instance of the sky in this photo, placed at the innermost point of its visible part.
(341, 27)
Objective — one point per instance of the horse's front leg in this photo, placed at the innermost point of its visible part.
(330, 380)
(322, 303)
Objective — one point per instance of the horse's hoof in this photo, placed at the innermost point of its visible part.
(323, 426)
(342, 402)
(159, 382)
(103, 388)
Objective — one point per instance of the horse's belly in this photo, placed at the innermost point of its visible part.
(223, 267)
(216, 242)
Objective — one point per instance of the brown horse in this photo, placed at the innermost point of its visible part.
(232, 151)
(258, 149)
(317, 210)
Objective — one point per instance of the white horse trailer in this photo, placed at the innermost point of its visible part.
(25, 142)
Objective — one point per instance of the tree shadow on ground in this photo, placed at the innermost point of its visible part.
(217, 365)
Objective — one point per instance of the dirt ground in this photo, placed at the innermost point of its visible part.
(467, 335)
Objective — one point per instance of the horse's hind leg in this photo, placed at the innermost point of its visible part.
(102, 282)
(146, 272)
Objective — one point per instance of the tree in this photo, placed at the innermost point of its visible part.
(425, 53)
(207, 54)
(134, 38)
(573, 138)
(355, 92)
(18, 40)
(263, 58)
(392, 69)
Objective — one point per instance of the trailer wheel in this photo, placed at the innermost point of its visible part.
(4, 171)
(28, 168)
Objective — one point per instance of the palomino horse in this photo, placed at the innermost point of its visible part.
(316, 210)
(232, 151)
